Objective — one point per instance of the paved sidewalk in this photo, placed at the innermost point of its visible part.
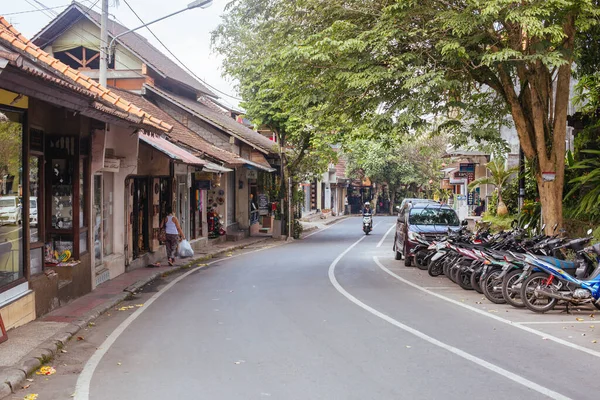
(33, 344)
(320, 224)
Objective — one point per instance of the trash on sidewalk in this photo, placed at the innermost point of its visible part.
(46, 370)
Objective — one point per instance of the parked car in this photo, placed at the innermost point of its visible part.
(33, 211)
(10, 210)
(425, 219)
(407, 201)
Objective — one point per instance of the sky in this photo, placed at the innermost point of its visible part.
(187, 34)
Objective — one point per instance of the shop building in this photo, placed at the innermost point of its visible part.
(51, 115)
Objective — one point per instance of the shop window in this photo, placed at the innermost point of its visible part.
(66, 191)
(11, 209)
(36, 212)
(97, 219)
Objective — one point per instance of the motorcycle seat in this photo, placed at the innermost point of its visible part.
(562, 264)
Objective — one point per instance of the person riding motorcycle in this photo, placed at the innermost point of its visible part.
(367, 211)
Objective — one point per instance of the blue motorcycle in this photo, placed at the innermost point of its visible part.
(541, 291)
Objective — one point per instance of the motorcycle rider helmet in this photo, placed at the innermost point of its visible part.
(367, 204)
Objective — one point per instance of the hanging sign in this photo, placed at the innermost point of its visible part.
(252, 174)
(111, 165)
(548, 176)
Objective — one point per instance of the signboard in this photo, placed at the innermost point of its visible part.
(111, 165)
(470, 167)
(548, 176)
(471, 198)
(203, 185)
(263, 204)
(252, 174)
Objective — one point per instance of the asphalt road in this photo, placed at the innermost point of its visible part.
(331, 316)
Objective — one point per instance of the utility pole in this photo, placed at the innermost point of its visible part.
(104, 43)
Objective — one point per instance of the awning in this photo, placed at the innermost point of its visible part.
(448, 170)
(215, 168)
(259, 161)
(171, 150)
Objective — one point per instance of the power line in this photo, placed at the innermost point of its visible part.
(35, 10)
(176, 58)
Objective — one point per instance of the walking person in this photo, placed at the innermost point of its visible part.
(174, 234)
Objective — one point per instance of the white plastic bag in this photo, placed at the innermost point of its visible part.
(185, 249)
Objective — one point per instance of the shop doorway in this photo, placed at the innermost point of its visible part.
(141, 239)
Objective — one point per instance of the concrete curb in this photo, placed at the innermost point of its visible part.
(13, 377)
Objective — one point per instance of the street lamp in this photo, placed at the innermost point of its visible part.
(192, 5)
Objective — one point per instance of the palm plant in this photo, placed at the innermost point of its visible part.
(499, 176)
(590, 181)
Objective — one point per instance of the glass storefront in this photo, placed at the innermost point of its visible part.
(11, 197)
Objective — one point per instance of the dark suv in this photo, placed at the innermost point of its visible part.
(426, 219)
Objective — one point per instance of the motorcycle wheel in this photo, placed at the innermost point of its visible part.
(487, 285)
(475, 281)
(454, 273)
(446, 266)
(420, 259)
(463, 278)
(510, 294)
(434, 268)
(536, 304)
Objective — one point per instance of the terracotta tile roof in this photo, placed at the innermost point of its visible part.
(180, 134)
(12, 36)
(134, 42)
(221, 121)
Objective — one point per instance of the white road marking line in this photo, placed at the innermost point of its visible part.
(384, 236)
(324, 229)
(469, 357)
(439, 287)
(82, 387)
(488, 315)
(591, 321)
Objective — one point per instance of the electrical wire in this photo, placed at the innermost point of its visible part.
(176, 58)
(34, 10)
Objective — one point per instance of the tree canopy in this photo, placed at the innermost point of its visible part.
(327, 67)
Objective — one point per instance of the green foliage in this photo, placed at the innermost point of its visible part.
(10, 148)
(321, 71)
(497, 223)
(298, 229)
(499, 176)
(586, 187)
(510, 194)
(530, 214)
(397, 164)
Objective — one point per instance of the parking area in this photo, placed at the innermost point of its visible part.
(577, 327)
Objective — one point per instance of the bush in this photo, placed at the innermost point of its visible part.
(297, 229)
(498, 224)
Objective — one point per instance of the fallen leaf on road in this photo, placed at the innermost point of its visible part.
(594, 341)
(29, 380)
(32, 396)
(26, 386)
(583, 334)
(119, 363)
(408, 347)
(239, 362)
(63, 351)
(202, 265)
(592, 316)
(492, 311)
(139, 305)
(579, 319)
(592, 326)
(91, 324)
(544, 338)
(80, 338)
(46, 370)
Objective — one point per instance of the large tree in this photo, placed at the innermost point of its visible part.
(401, 66)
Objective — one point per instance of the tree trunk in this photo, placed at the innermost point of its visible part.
(551, 200)
(392, 198)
